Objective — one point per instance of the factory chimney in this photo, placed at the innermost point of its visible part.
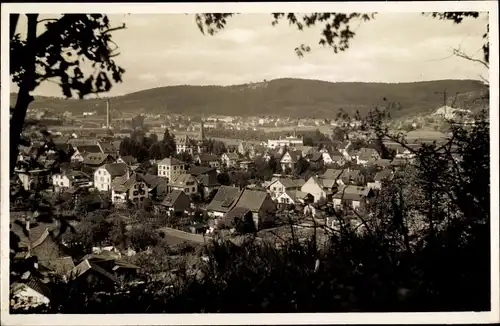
(107, 114)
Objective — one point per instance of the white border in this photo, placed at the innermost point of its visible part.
(244, 319)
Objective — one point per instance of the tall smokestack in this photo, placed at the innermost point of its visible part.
(107, 114)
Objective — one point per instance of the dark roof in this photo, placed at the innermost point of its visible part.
(61, 266)
(315, 156)
(224, 198)
(85, 266)
(124, 184)
(38, 286)
(382, 162)
(295, 155)
(172, 198)
(252, 199)
(89, 149)
(95, 158)
(208, 180)
(152, 180)
(128, 159)
(366, 153)
(287, 182)
(208, 157)
(116, 169)
(384, 174)
(352, 193)
(197, 170)
(107, 147)
(182, 179)
(237, 212)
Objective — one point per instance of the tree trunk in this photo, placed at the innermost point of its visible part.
(14, 18)
(24, 97)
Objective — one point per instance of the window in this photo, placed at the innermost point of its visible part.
(175, 167)
(142, 198)
(62, 183)
(102, 179)
(167, 167)
(136, 193)
(193, 190)
(135, 186)
(187, 190)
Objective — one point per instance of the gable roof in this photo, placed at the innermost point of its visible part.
(205, 157)
(198, 170)
(37, 285)
(124, 184)
(170, 161)
(152, 180)
(182, 179)
(95, 158)
(352, 193)
(208, 180)
(61, 266)
(296, 194)
(223, 199)
(286, 182)
(294, 155)
(232, 156)
(252, 199)
(128, 159)
(315, 156)
(366, 153)
(88, 149)
(172, 198)
(85, 266)
(116, 169)
(384, 174)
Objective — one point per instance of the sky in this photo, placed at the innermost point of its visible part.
(168, 49)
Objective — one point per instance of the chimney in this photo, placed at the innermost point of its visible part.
(107, 114)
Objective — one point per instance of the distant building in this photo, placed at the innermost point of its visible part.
(171, 168)
(71, 180)
(289, 141)
(104, 176)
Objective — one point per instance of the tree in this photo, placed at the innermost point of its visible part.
(168, 148)
(57, 55)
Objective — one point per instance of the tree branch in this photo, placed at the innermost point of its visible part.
(46, 20)
(461, 54)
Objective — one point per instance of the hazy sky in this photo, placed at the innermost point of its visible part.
(168, 49)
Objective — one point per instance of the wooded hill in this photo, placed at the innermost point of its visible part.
(283, 97)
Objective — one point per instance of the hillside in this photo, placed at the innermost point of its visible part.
(281, 97)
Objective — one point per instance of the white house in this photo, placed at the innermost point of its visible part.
(289, 141)
(379, 177)
(185, 182)
(314, 187)
(104, 176)
(288, 160)
(129, 188)
(353, 197)
(171, 168)
(365, 155)
(70, 180)
(230, 159)
(278, 186)
(292, 197)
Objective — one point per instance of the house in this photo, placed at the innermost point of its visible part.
(344, 149)
(157, 186)
(345, 176)
(380, 177)
(207, 179)
(40, 240)
(280, 185)
(33, 179)
(171, 168)
(271, 154)
(104, 175)
(305, 150)
(30, 293)
(185, 182)
(246, 149)
(107, 147)
(352, 197)
(315, 160)
(210, 160)
(294, 197)
(321, 189)
(334, 157)
(260, 204)
(222, 201)
(288, 160)
(364, 155)
(184, 144)
(177, 202)
(129, 160)
(129, 188)
(230, 159)
(95, 160)
(58, 266)
(80, 152)
(92, 276)
(381, 163)
(246, 165)
(71, 180)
